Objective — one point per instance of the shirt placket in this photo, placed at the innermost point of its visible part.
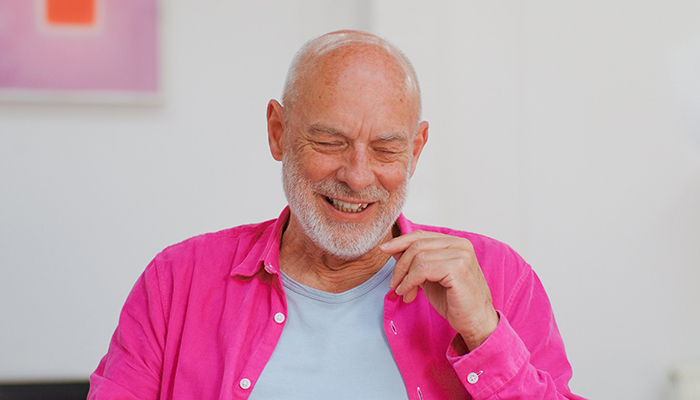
(274, 324)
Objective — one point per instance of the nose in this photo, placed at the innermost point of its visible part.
(356, 171)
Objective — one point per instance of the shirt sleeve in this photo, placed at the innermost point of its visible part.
(524, 358)
(132, 368)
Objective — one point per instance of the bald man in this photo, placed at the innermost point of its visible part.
(341, 297)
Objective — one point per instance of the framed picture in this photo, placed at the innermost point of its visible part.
(79, 50)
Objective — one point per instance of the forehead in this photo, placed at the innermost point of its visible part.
(357, 81)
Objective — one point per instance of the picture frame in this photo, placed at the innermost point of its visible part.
(95, 51)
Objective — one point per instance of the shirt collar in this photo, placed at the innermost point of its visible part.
(266, 250)
(405, 226)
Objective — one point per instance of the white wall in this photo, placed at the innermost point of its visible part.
(89, 193)
(565, 129)
(559, 128)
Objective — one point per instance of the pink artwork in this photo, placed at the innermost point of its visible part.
(94, 49)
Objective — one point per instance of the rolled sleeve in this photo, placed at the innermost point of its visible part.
(489, 367)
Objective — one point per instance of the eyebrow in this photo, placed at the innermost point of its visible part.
(389, 137)
(393, 137)
(320, 128)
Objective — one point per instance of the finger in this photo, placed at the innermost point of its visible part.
(398, 255)
(419, 244)
(427, 265)
(401, 243)
(396, 247)
(411, 295)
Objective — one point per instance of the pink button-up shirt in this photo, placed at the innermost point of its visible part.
(204, 318)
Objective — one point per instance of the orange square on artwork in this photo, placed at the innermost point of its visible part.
(70, 12)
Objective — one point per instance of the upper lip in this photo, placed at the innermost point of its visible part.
(347, 206)
(349, 201)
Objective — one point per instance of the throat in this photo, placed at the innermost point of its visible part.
(330, 274)
(336, 278)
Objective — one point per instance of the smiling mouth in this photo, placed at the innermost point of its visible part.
(344, 206)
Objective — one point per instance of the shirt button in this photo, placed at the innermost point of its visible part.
(473, 378)
(279, 317)
(245, 383)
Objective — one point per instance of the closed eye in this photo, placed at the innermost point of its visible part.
(329, 146)
(386, 155)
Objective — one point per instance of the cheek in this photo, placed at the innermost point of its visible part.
(319, 167)
(393, 176)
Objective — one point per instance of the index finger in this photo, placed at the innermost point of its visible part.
(397, 247)
(399, 244)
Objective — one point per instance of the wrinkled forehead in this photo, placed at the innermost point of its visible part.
(331, 60)
(347, 68)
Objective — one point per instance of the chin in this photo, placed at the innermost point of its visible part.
(345, 240)
(341, 239)
(348, 243)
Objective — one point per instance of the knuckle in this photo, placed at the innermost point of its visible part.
(421, 264)
(421, 244)
(464, 265)
(466, 244)
(464, 260)
(400, 269)
(420, 258)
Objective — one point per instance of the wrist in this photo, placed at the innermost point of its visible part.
(471, 339)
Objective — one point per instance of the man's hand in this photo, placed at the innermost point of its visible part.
(447, 269)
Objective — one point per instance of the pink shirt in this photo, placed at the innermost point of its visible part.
(204, 318)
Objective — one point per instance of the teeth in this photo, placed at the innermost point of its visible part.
(348, 207)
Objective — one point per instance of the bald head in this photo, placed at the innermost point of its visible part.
(323, 59)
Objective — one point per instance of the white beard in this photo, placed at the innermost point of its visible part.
(344, 240)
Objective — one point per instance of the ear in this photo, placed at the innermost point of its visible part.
(419, 141)
(275, 128)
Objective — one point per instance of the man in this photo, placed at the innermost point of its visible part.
(341, 296)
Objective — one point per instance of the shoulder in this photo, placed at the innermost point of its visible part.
(209, 257)
(231, 241)
(487, 249)
(199, 269)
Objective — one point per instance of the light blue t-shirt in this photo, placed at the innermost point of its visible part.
(333, 346)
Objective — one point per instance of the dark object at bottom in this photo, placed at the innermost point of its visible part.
(44, 391)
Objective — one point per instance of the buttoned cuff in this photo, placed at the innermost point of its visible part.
(487, 368)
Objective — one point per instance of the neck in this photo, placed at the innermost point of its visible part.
(308, 264)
